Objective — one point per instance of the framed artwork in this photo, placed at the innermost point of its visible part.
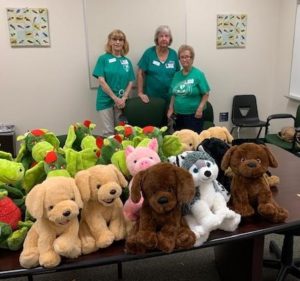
(28, 27)
(231, 31)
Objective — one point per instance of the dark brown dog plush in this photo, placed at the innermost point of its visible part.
(250, 193)
(161, 226)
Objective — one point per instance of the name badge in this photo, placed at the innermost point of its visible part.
(112, 60)
(156, 63)
(124, 61)
(171, 64)
(190, 81)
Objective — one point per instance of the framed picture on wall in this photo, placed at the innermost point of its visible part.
(28, 27)
(231, 31)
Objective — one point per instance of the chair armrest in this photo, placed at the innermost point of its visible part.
(277, 116)
(280, 116)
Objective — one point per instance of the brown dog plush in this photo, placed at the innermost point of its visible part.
(250, 193)
(102, 220)
(161, 226)
(55, 204)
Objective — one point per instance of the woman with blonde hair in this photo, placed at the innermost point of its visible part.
(115, 74)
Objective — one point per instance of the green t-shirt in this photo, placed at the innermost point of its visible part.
(158, 75)
(188, 90)
(117, 72)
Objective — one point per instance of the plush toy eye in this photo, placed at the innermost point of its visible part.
(73, 198)
(190, 144)
(258, 160)
(134, 161)
(98, 186)
(151, 157)
(242, 159)
(195, 170)
(50, 208)
(208, 164)
(52, 167)
(63, 166)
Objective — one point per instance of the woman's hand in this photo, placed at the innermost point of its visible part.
(143, 97)
(199, 113)
(120, 102)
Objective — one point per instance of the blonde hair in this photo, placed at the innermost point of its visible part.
(183, 48)
(117, 33)
(163, 29)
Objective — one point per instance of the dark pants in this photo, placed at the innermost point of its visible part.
(188, 121)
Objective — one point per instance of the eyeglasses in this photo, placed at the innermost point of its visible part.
(117, 39)
(185, 57)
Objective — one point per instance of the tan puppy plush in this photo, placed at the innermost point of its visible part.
(188, 138)
(102, 219)
(55, 205)
(221, 133)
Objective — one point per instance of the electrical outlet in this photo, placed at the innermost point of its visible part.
(223, 117)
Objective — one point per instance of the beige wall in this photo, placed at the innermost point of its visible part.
(49, 87)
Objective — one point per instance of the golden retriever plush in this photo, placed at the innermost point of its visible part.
(102, 220)
(55, 204)
(161, 226)
(250, 192)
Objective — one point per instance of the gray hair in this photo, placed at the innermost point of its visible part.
(163, 29)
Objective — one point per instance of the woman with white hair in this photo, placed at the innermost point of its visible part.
(157, 67)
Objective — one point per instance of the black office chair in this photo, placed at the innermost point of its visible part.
(245, 114)
(294, 145)
(143, 114)
(284, 262)
(208, 116)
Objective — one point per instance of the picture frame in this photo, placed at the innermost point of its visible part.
(231, 31)
(28, 27)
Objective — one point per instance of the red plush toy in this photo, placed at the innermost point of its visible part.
(9, 211)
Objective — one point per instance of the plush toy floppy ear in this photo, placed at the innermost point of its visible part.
(35, 201)
(76, 193)
(226, 158)
(229, 137)
(122, 181)
(82, 180)
(272, 161)
(185, 185)
(136, 187)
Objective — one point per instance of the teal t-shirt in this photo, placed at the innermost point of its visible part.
(117, 72)
(188, 90)
(158, 75)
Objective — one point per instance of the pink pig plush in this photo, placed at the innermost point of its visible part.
(139, 159)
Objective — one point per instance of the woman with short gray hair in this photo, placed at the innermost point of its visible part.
(157, 67)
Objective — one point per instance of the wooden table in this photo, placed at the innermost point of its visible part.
(239, 254)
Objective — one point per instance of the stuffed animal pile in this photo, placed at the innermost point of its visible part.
(70, 199)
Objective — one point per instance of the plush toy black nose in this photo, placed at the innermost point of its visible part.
(207, 173)
(113, 191)
(66, 213)
(163, 200)
(251, 165)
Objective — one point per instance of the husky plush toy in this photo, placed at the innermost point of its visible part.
(208, 210)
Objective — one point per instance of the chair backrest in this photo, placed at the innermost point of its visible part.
(244, 107)
(208, 116)
(143, 114)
